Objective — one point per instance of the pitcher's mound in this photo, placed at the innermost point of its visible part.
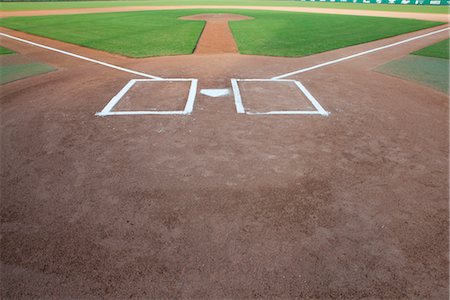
(217, 17)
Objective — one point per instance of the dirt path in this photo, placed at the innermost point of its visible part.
(216, 37)
(404, 15)
(219, 205)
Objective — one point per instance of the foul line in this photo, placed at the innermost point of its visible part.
(80, 57)
(359, 54)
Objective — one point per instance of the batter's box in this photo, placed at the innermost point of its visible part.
(153, 97)
(274, 97)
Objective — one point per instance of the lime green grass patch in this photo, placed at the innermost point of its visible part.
(440, 50)
(8, 6)
(4, 50)
(429, 71)
(155, 33)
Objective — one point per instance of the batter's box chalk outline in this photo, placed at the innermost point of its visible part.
(107, 111)
(240, 109)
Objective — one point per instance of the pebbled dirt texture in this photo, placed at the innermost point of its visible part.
(219, 205)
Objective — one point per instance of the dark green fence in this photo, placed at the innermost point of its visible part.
(404, 2)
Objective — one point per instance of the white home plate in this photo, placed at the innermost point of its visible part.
(215, 92)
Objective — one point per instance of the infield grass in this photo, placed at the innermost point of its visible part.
(439, 50)
(9, 73)
(133, 34)
(430, 71)
(4, 50)
(8, 6)
(154, 33)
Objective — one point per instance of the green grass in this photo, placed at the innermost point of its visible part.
(153, 33)
(4, 50)
(9, 73)
(134, 34)
(8, 6)
(440, 50)
(430, 71)
(300, 34)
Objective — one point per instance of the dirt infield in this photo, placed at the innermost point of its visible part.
(402, 15)
(216, 37)
(221, 205)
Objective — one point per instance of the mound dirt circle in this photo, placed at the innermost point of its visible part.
(217, 17)
(216, 37)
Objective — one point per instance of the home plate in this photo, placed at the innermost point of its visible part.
(215, 92)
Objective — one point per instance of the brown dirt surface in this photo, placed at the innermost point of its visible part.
(389, 14)
(219, 205)
(216, 37)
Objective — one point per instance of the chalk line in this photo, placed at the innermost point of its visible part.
(359, 54)
(188, 108)
(80, 57)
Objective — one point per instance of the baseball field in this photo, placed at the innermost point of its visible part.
(222, 149)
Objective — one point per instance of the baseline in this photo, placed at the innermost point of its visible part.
(359, 54)
(80, 57)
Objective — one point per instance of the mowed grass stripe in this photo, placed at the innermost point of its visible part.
(10, 6)
(439, 50)
(133, 34)
(155, 33)
(300, 34)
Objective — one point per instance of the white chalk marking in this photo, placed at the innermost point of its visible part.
(116, 98)
(80, 57)
(286, 112)
(191, 98)
(107, 111)
(215, 92)
(237, 97)
(358, 54)
(240, 107)
(144, 112)
(311, 98)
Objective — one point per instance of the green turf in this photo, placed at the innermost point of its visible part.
(429, 71)
(440, 50)
(96, 4)
(4, 50)
(9, 73)
(154, 33)
(299, 34)
(134, 34)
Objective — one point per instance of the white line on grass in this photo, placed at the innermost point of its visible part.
(359, 54)
(80, 57)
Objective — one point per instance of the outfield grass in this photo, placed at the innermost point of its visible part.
(154, 33)
(4, 50)
(8, 6)
(439, 50)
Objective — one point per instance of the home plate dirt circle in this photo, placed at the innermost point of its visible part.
(218, 204)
